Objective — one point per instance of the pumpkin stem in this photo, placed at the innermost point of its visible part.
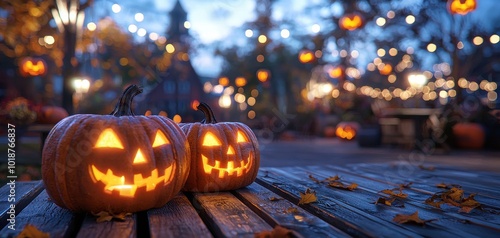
(124, 105)
(209, 114)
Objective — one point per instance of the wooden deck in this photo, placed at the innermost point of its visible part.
(273, 200)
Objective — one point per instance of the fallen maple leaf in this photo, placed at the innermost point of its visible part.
(292, 210)
(276, 232)
(275, 199)
(314, 179)
(340, 185)
(308, 197)
(331, 179)
(385, 201)
(412, 218)
(31, 231)
(453, 197)
(393, 194)
(436, 204)
(103, 216)
(468, 204)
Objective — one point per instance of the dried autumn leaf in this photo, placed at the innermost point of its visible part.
(308, 197)
(103, 216)
(412, 218)
(455, 194)
(314, 179)
(393, 194)
(276, 232)
(436, 204)
(468, 204)
(405, 185)
(332, 179)
(292, 210)
(275, 199)
(385, 201)
(31, 231)
(340, 185)
(442, 185)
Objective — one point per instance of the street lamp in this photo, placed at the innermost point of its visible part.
(69, 16)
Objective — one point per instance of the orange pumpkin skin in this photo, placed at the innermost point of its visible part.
(224, 155)
(469, 135)
(147, 167)
(51, 114)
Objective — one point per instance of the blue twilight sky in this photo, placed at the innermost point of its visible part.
(216, 20)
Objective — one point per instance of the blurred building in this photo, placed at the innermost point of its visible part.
(179, 86)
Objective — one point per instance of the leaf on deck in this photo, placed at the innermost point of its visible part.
(405, 185)
(292, 210)
(275, 199)
(412, 218)
(276, 232)
(314, 179)
(385, 201)
(454, 197)
(308, 197)
(393, 194)
(31, 231)
(332, 179)
(103, 216)
(340, 185)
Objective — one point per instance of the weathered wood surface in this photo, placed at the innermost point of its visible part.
(273, 200)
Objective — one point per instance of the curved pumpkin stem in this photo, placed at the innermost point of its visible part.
(124, 105)
(209, 114)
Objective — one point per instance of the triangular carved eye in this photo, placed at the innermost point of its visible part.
(210, 140)
(108, 139)
(241, 137)
(160, 139)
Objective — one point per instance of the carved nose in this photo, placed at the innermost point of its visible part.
(230, 150)
(139, 157)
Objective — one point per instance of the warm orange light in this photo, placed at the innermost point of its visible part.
(351, 22)
(224, 81)
(32, 67)
(139, 158)
(345, 132)
(336, 72)
(241, 138)
(263, 75)
(306, 56)
(386, 70)
(160, 139)
(194, 104)
(240, 82)
(108, 139)
(461, 7)
(211, 140)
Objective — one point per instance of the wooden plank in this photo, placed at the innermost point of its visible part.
(44, 215)
(226, 216)
(176, 219)
(112, 229)
(474, 182)
(284, 213)
(427, 185)
(345, 217)
(369, 190)
(24, 192)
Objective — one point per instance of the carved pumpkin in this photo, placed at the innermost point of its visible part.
(32, 67)
(224, 156)
(351, 22)
(347, 130)
(469, 135)
(461, 7)
(116, 163)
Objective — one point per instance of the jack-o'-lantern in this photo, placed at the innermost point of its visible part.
(351, 22)
(116, 163)
(347, 130)
(32, 67)
(224, 155)
(461, 7)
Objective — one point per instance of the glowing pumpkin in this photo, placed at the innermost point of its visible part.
(116, 163)
(32, 67)
(461, 7)
(351, 22)
(224, 156)
(347, 130)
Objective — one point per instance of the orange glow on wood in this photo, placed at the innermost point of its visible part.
(108, 139)
(351, 22)
(461, 7)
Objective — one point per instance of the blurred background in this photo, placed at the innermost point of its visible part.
(382, 72)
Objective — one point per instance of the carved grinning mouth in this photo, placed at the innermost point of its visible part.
(113, 182)
(231, 168)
